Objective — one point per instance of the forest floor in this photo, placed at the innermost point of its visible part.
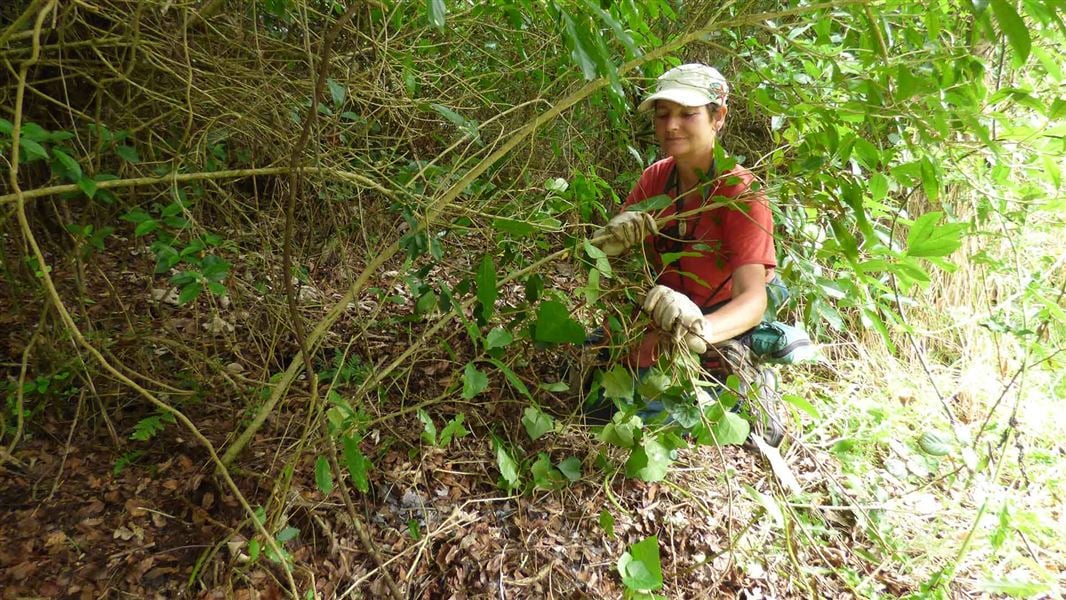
(88, 513)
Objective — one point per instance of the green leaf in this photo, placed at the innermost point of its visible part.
(486, 287)
(558, 386)
(649, 461)
(356, 463)
(88, 186)
(286, 535)
(537, 422)
(474, 381)
(607, 523)
(1014, 28)
(571, 468)
(802, 404)
(935, 443)
(554, 325)
(1014, 588)
(128, 154)
(545, 476)
(253, 550)
(336, 92)
(435, 11)
(498, 338)
(653, 203)
(454, 429)
(31, 150)
(190, 292)
(621, 431)
(429, 430)
(413, 529)
(878, 187)
(640, 567)
(579, 51)
(927, 239)
(323, 475)
(511, 377)
(731, 429)
(508, 467)
(71, 168)
(145, 227)
(618, 383)
(653, 384)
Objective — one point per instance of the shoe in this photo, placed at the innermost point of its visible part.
(764, 418)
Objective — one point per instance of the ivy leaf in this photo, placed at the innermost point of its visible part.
(1014, 28)
(453, 430)
(555, 326)
(618, 383)
(621, 431)
(607, 523)
(323, 475)
(731, 429)
(474, 381)
(537, 422)
(571, 468)
(640, 567)
(545, 476)
(650, 461)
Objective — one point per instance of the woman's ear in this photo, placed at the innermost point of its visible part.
(720, 118)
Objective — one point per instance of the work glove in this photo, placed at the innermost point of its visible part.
(675, 314)
(624, 230)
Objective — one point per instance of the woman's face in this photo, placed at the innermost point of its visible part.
(687, 132)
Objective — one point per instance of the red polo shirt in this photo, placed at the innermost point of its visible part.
(714, 242)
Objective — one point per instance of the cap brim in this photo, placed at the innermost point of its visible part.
(680, 96)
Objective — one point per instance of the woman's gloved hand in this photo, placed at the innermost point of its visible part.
(625, 230)
(676, 314)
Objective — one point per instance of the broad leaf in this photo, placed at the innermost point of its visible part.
(1014, 28)
(453, 430)
(618, 383)
(323, 475)
(731, 429)
(474, 381)
(927, 239)
(554, 325)
(537, 422)
(356, 463)
(571, 468)
(640, 567)
(498, 338)
(649, 461)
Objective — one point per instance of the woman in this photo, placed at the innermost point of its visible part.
(716, 290)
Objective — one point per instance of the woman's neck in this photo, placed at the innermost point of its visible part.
(690, 172)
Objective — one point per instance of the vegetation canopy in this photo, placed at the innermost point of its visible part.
(296, 299)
